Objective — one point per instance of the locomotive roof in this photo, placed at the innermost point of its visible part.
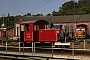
(34, 21)
(29, 21)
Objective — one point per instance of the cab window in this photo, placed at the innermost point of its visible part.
(27, 27)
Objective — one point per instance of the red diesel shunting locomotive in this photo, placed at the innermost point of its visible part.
(38, 31)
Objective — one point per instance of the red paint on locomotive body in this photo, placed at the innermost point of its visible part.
(48, 35)
(28, 33)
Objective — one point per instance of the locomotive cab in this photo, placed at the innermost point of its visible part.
(26, 32)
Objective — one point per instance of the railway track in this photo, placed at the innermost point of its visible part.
(85, 52)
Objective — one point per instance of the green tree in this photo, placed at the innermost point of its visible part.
(38, 14)
(1, 21)
(75, 7)
(68, 7)
(28, 14)
(84, 5)
(48, 14)
(9, 21)
(86, 2)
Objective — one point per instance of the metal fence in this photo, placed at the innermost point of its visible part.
(8, 44)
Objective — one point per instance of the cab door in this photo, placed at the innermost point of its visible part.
(28, 34)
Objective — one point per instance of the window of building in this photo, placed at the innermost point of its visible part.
(69, 30)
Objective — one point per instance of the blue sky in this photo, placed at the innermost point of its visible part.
(21, 7)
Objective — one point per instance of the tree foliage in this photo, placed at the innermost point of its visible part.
(9, 21)
(38, 14)
(28, 14)
(49, 14)
(75, 7)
